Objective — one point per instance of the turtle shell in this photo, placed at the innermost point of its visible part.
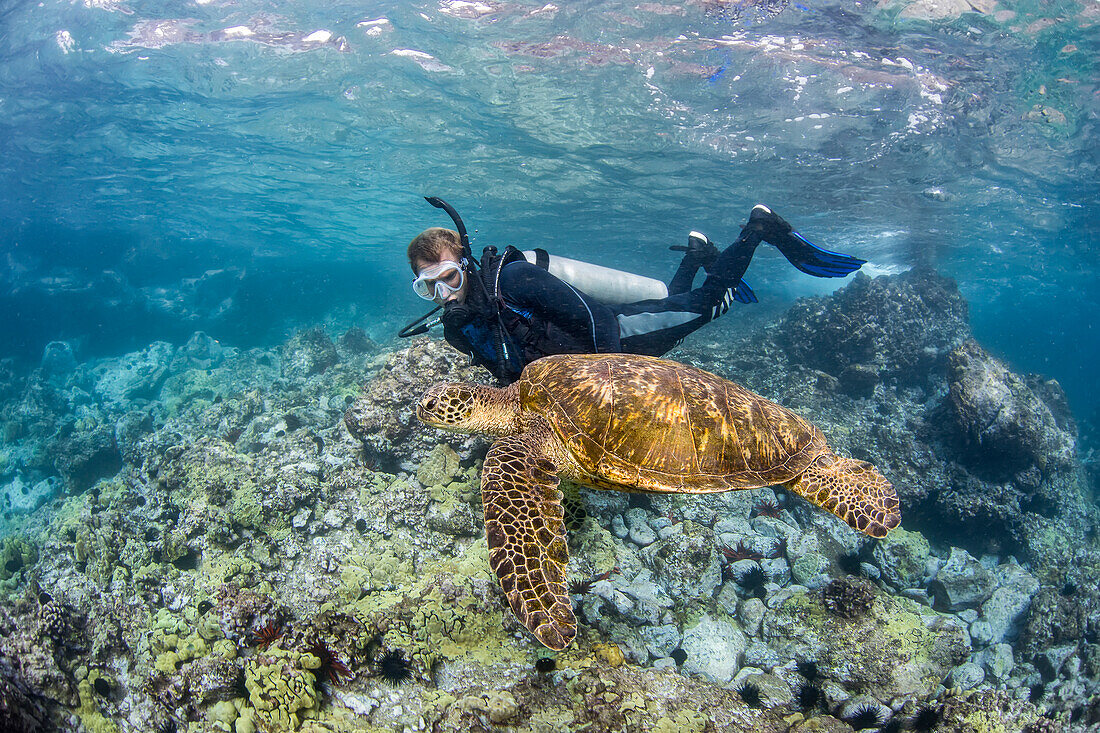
(639, 422)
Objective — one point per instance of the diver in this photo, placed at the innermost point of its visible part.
(508, 311)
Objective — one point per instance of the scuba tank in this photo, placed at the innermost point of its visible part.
(605, 284)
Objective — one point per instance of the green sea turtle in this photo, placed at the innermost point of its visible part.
(631, 423)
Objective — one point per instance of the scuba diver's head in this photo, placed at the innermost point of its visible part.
(435, 255)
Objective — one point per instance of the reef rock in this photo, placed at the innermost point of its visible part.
(384, 420)
(714, 649)
(1004, 426)
(138, 375)
(1005, 610)
(899, 328)
(901, 556)
(308, 352)
(84, 456)
(888, 651)
(962, 582)
(58, 359)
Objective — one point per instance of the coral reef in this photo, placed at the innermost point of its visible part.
(888, 329)
(274, 543)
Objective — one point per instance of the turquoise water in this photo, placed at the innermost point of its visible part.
(290, 145)
(212, 479)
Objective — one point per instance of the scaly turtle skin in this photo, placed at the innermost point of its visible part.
(631, 423)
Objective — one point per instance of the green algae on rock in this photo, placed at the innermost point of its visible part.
(282, 687)
(891, 651)
(17, 556)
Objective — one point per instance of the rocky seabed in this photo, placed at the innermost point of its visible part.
(204, 538)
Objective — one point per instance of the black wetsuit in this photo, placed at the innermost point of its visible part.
(542, 315)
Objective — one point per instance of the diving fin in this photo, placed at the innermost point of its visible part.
(744, 294)
(799, 251)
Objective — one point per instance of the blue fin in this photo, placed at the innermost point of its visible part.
(812, 260)
(743, 293)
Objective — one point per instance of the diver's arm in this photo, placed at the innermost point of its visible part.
(525, 286)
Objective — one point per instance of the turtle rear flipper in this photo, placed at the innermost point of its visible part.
(853, 490)
(525, 528)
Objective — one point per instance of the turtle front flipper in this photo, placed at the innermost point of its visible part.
(525, 529)
(853, 490)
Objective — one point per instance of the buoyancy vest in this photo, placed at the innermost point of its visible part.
(504, 338)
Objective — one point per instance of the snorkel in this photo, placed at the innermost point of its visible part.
(455, 313)
(464, 241)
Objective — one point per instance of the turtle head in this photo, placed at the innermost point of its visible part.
(469, 408)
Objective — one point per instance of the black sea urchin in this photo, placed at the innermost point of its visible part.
(1035, 692)
(865, 716)
(394, 668)
(809, 695)
(926, 719)
(753, 580)
(750, 693)
(808, 669)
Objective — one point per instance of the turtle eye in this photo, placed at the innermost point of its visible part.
(429, 404)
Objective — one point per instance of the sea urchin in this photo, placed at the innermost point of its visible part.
(750, 693)
(394, 668)
(865, 716)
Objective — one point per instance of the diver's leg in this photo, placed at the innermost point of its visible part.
(699, 252)
(655, 326)
(726, 272)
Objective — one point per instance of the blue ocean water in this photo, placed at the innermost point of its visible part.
(290, 146)
(160, 142)
(250, 170)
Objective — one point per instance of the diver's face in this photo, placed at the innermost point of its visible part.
(442, 280)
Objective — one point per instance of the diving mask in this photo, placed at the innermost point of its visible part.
(439, 281)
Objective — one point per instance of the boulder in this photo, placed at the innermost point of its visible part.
(1006, 609)
(901, 556)
(963, 582)
(997, 661)
(967, 675)
(1003, 427)
(137, 375)
(714, 649)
